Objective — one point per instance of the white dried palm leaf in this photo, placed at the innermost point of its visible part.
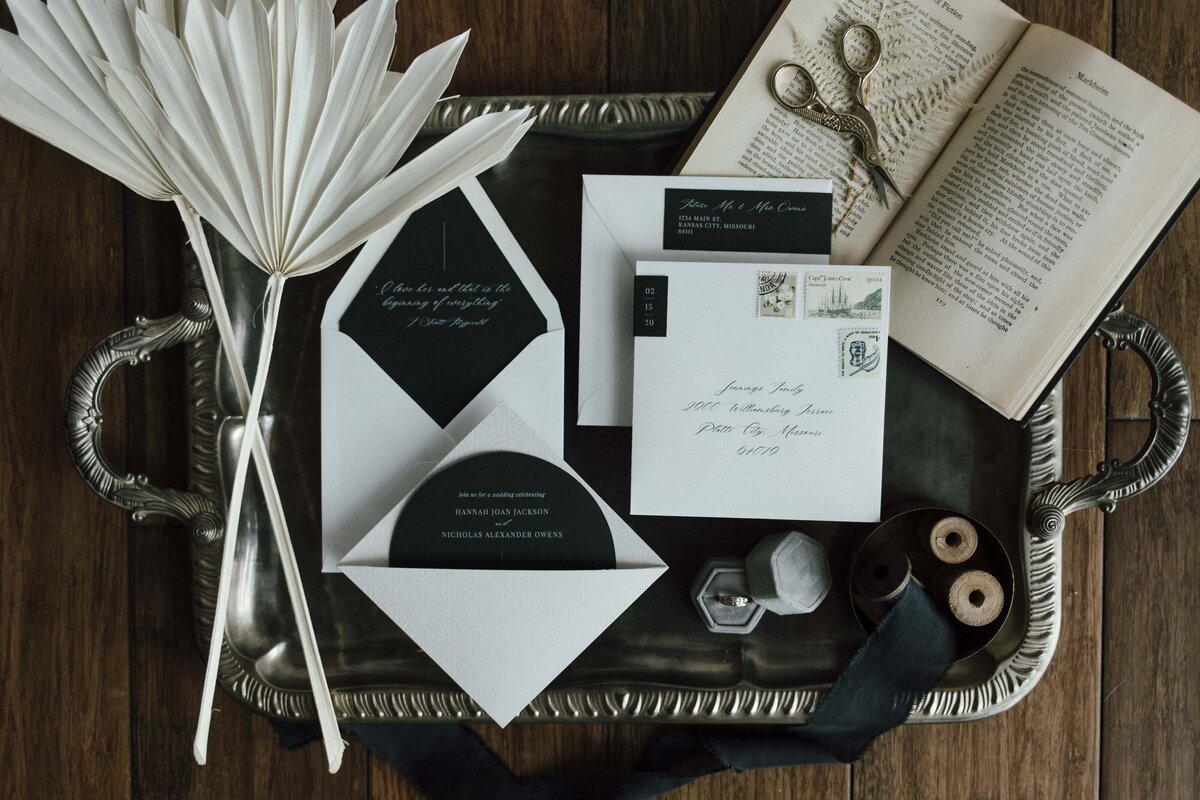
(52, 86)
(282, 130)
(270, 125)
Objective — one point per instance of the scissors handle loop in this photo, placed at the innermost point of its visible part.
(800, 97)
(860, 33)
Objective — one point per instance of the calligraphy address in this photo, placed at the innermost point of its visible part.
(758, 419)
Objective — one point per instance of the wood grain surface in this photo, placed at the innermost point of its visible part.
(1151, 690)
(99, 669)
(64, 591)
(1159, 39)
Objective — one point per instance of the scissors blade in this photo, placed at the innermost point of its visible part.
(882, 180)
(880, 187)
(888, 178)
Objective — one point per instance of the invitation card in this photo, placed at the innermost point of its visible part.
(501, 564)
(759, 390)
(502, 510)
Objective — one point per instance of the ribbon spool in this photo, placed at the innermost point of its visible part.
(882, 575)
(973, 596)
(952, 540)
(907, 531)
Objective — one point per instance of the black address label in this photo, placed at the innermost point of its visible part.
(747, 221)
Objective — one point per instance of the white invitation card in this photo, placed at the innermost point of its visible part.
(759, 390)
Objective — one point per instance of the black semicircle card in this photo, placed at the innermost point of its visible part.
(443, 312)
(502, 511)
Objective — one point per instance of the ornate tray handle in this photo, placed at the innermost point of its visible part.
(1170, 413)
(132, 346)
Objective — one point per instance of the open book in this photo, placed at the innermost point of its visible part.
(1040, 174)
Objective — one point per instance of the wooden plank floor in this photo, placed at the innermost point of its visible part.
(99, 670)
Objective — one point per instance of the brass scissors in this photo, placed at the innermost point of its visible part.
(857, 121)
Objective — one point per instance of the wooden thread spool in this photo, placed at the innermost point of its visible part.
(952, 540)
(882, 575)
(973, 596)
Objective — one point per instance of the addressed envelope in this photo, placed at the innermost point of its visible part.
(631, 218)
(502, 634)
(759, 391)
(373, 432)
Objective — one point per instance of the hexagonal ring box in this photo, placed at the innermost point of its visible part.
(786, 573)
(718, 593)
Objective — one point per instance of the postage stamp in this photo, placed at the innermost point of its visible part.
(843, 295)
(777, 294)
(858, 352)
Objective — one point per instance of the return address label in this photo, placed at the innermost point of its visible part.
(749, 222)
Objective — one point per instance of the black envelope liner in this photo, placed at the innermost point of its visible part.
(443, 313)
(502, 511)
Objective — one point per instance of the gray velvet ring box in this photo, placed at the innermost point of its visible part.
(788, 573)
(721, 579)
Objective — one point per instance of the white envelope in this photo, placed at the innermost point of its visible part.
(373, 433)
(623, 224)
(760, 392)
(502, 635)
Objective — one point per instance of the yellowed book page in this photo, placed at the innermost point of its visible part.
(938, 55)
(1042, 203)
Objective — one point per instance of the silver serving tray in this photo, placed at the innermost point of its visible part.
(656, 663)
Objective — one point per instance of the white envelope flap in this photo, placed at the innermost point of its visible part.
(502, 635)
(606, 402)
(380, 515)
(606, 280)
(370, 430)
(634, 224)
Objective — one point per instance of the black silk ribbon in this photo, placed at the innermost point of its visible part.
(904, 657)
